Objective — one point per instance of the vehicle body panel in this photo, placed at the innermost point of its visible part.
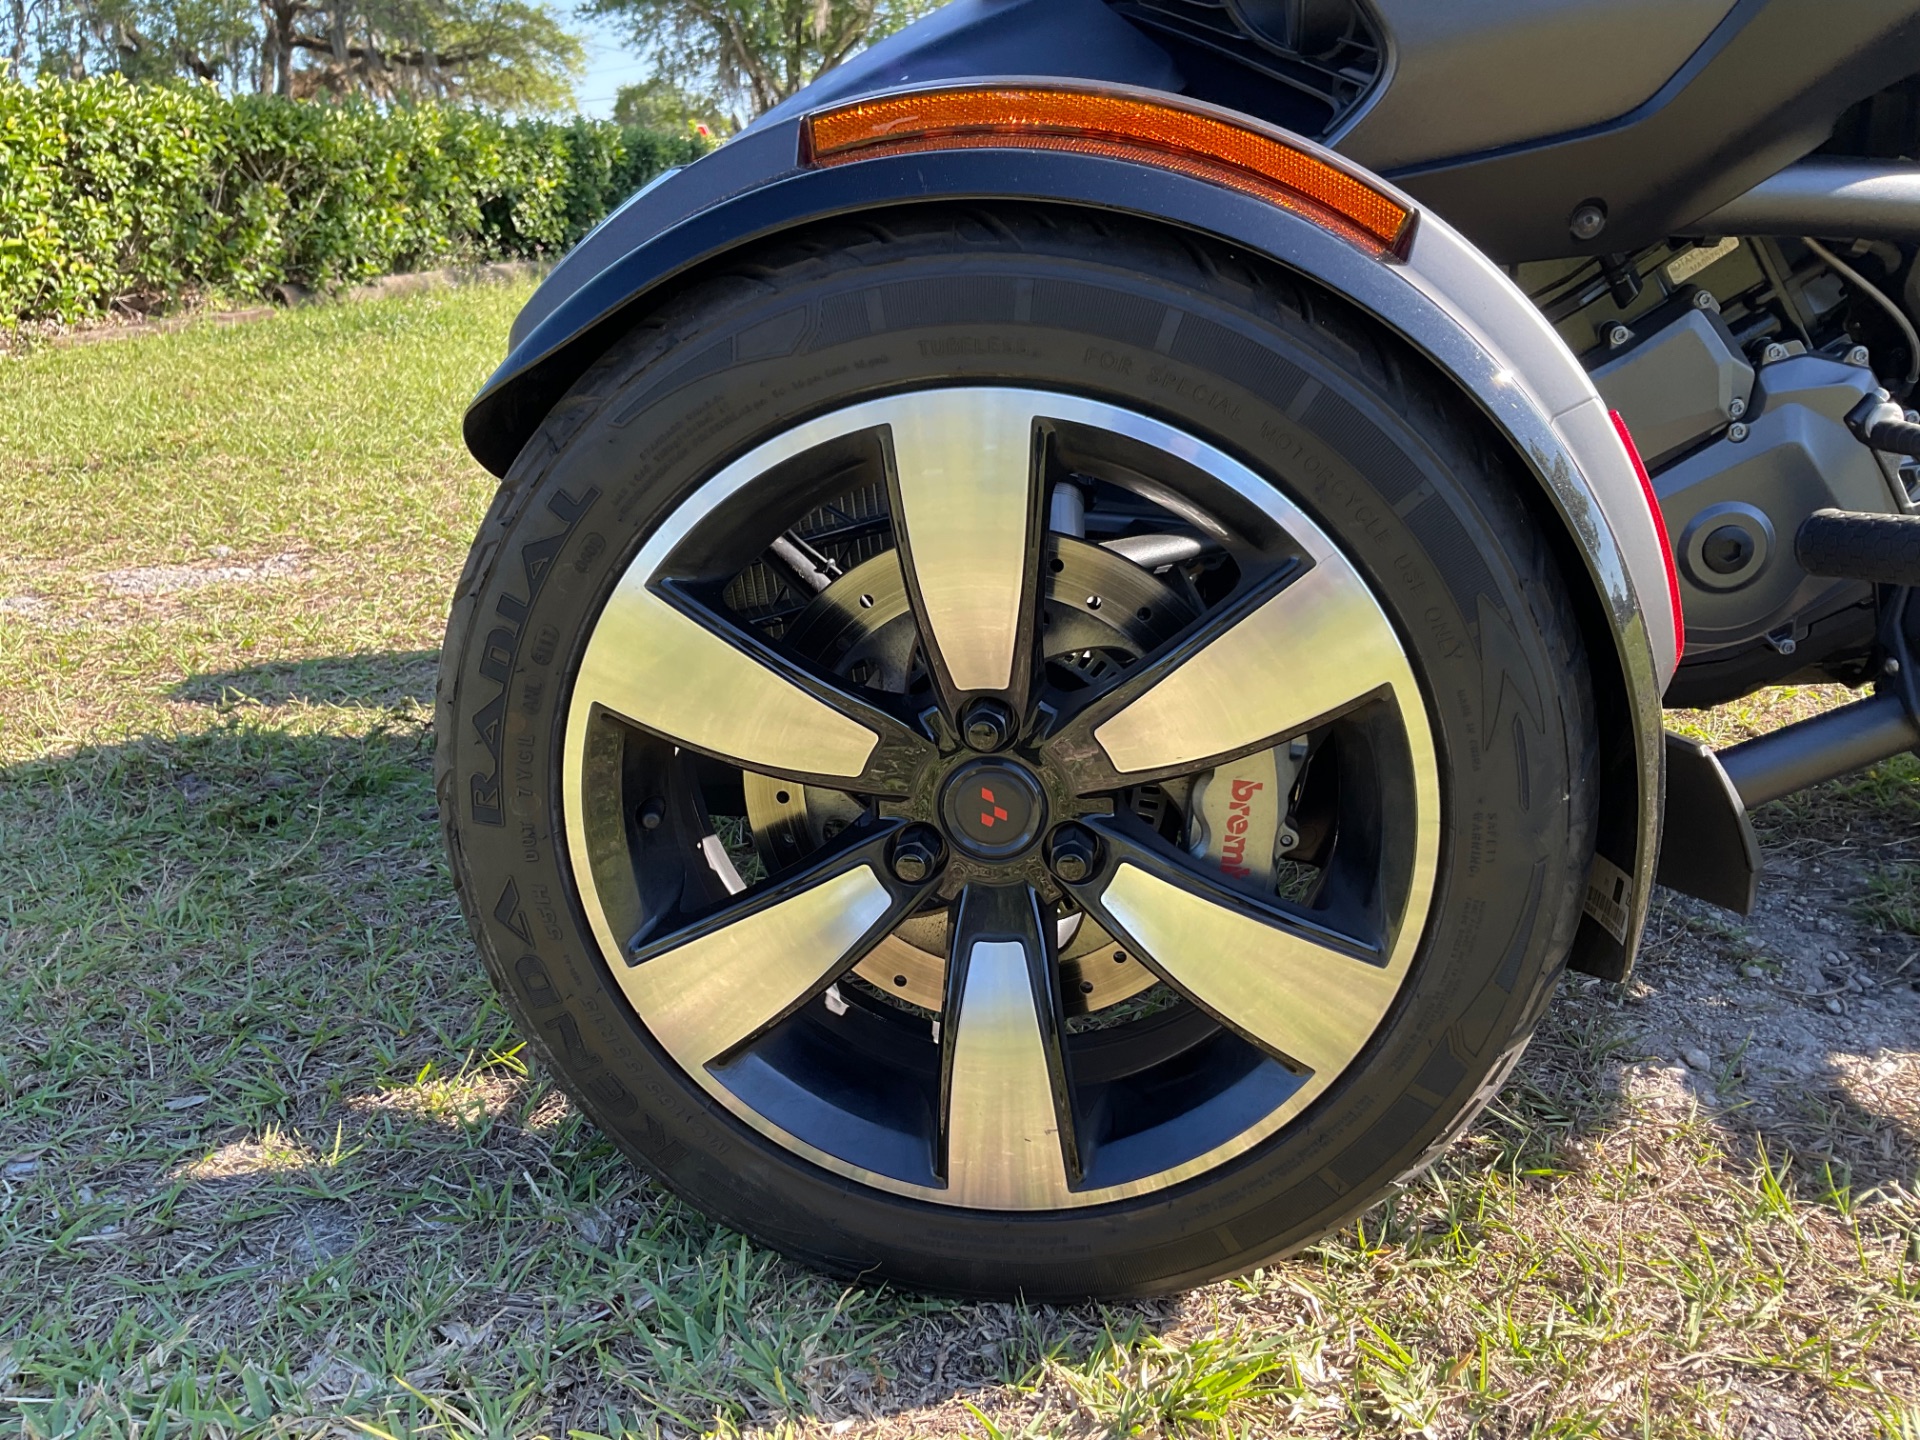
(1763, 91)
(1476, 75)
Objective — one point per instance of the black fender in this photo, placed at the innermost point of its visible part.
(1445, 298)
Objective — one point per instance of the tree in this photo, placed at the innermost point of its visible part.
(659, 104)
(750, 55)
(510, 54)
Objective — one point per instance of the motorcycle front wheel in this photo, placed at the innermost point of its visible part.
(1017, 752)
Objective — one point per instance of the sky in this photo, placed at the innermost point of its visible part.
(610, 64)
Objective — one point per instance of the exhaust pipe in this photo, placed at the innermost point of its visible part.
(1820, 749)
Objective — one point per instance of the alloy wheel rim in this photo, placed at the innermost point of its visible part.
(1297, 649)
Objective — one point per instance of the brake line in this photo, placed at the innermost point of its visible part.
(1879, 297)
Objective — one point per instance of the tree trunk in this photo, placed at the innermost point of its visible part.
(269, 41)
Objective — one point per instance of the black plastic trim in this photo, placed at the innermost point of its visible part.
(1707, 846)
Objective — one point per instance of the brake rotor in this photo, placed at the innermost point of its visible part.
(1101, 613)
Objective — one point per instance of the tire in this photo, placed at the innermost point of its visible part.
(1016, 1110)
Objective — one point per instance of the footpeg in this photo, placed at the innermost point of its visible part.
(1860, 545)
(1882, 425)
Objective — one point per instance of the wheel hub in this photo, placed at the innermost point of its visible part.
(992, 809)
(1102, 612)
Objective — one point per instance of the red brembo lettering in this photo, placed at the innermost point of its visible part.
(1233, 849)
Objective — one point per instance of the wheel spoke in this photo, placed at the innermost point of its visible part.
(1006, 1122)
(1295, 653)
(711, 985)
(1306, 993)
(657, 664)
(966, 498)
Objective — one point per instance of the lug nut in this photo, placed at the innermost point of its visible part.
(916, 853)
(988, 726)
(1072, 853)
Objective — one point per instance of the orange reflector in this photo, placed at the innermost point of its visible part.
(1122, 127)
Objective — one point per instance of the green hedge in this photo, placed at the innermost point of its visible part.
(113, 193)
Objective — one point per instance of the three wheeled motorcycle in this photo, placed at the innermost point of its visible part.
(1076, 624)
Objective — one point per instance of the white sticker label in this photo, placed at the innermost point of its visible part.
(1609, 897)
(1689, 263)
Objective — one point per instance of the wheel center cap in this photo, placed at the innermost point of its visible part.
(993, 809)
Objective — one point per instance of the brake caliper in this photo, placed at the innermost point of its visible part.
(1237, 819)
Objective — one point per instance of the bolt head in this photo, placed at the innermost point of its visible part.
(1773, 354)
(1618, 335)
(916, 854)
(1736, 408)
(1892, 667)
(1729, 550)
(988, 726)
(1073, 853)
(1588, 221)
(1858, 355)
(1737, 432)
(1703, 300)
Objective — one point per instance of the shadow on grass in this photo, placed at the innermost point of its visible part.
(1786, 1082)
(383, 678)
(265, 1120)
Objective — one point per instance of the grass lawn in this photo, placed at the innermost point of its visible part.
(271, 1161)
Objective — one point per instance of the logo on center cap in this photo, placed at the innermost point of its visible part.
(993, 808)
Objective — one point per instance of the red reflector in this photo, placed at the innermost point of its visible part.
(1660, 528)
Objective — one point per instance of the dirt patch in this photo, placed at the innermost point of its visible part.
(172, 579)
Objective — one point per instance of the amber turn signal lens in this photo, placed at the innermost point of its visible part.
(1123, 127)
